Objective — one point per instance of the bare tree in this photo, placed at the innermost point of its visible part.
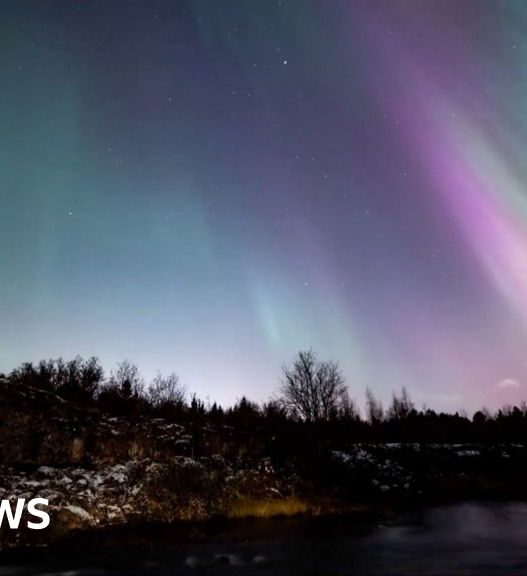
(348, 409)
(374, 409)
(401, 406)
(166, 391)
(77, 380)
(127, 380)
(312, 390)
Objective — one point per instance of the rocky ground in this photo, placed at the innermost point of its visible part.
(98, 471)
(135, 492)
(414, 472)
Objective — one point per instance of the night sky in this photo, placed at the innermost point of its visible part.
(210, 186)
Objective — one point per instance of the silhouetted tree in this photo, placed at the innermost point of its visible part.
(374, 409)
(38, 377)
(244, 413)
(127, 380)
(274, 410)
(401, 406)
(216, 413)
(479, 418)
(123, 393)
(312, 390)
(77, 380)
(166, 391)
(197, 407)
(348, 409)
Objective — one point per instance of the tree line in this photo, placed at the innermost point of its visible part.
(312, 394)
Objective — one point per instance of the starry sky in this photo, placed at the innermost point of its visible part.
(210, 186)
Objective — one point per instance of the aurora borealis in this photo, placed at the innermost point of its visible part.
(208, 187)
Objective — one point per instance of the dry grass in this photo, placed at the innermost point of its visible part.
(255, 508)
(259, 508)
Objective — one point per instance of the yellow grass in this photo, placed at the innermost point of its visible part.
(254, 508)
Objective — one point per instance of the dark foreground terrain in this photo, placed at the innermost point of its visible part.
(466, 538)
(101, 472)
